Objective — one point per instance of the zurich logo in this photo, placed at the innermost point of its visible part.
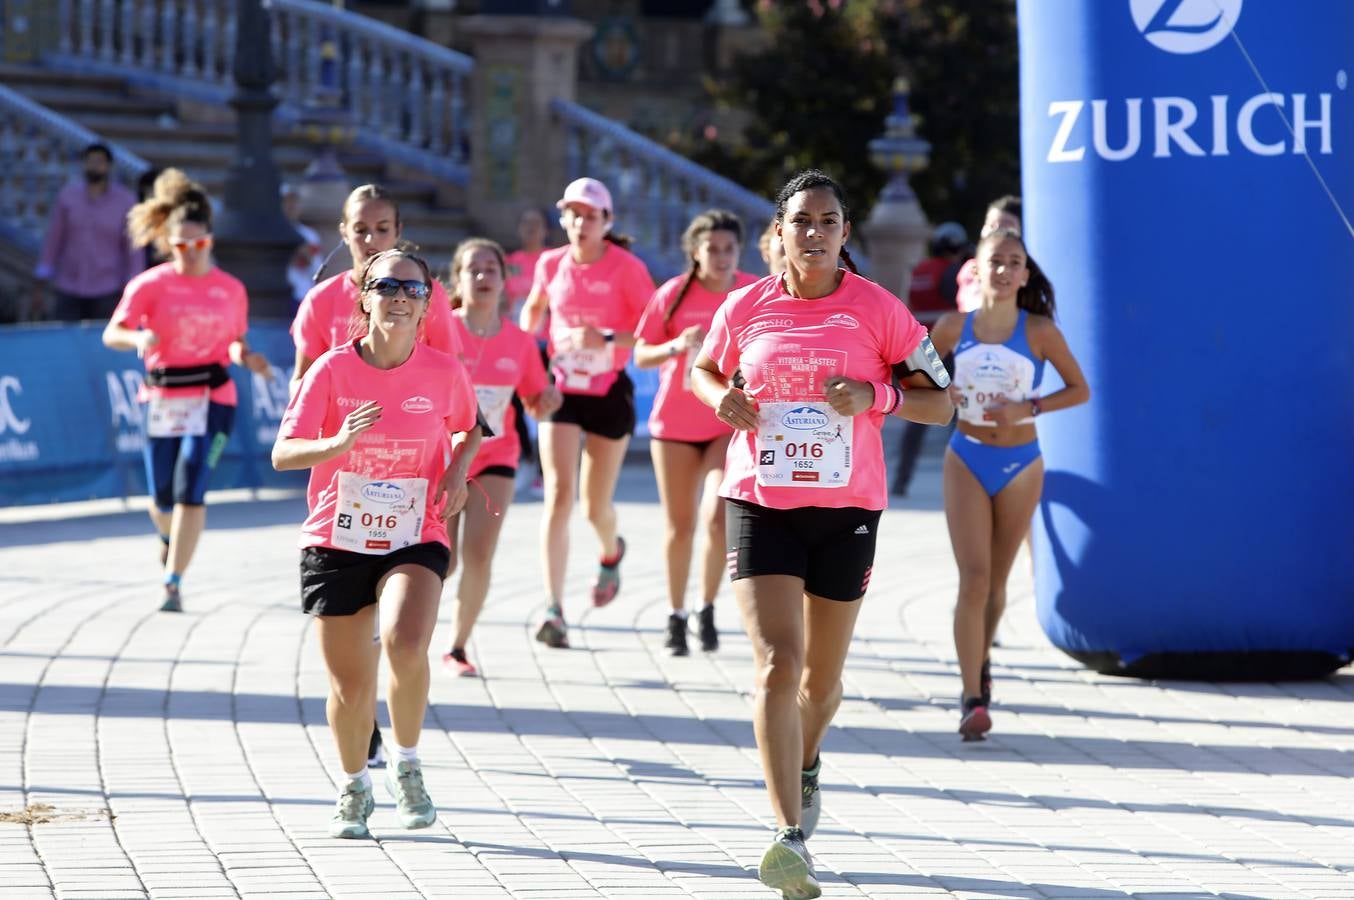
(1185, 26)
(383, 492)
(805, 418)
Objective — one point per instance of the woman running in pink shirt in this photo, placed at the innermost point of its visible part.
(370, 225)
(187, 319)
(819, 348)
(374, 422)
(503, 361)
(686, 441)
(595, 291)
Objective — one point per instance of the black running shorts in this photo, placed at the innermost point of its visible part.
(611, 415)
(342, 583)
(832, 550)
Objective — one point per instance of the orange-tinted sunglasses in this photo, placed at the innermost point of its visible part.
(201, 243)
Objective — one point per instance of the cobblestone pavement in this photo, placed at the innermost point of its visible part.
(148, 754)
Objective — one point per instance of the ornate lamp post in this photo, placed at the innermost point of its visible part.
(897, 227)
(254, 240)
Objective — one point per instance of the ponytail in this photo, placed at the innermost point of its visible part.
(624, 241)
(174, 198)
(701, 225)
(850, 263)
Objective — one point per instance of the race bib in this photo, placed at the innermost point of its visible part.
(803, 445)
(177, 416)
(494, 400)
(378, 516)
(581, 366)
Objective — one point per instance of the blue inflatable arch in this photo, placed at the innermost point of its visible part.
(1189, 180)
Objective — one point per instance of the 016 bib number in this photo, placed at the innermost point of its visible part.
(377, 517)
(803, 445)
(177, 416)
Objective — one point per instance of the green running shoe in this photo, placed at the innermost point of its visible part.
(811, 806)
(352, 811)
(404, 781)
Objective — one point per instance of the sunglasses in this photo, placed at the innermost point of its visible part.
(388, 287)
(201, 243)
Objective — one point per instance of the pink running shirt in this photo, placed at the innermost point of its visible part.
(423, 402)
(785, 348)
(521, 274)
(196, 319)
(322, 321)
(499, 366)
(678, 415)
(609, 293)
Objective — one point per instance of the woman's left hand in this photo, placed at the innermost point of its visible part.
(848, 396)
(546, 403)
(454, 488)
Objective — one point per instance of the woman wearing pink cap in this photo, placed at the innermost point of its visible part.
(595, 291)
(686, 441)
(820, 348)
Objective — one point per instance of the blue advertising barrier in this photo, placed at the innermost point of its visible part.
(1188, 179)
(70, 426)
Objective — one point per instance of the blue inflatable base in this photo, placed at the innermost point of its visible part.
(1251, 665)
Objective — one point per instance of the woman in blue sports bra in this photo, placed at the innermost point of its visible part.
(993, 473)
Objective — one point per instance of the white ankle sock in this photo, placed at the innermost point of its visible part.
(406, 754)
(363, 776)
(680, 613)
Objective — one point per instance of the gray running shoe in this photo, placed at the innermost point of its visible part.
(553, 632)
(676, 642)
(404, 781)
(352, 811)
(788, 868)
(812, 805)
(173, 601)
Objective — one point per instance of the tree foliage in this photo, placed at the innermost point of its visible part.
(819, 89)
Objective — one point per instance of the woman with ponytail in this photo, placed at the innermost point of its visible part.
(594, 290)
(503, 363)
(686, 441)
(993, 472)
(370, 225)
(820, 349)
(187, 319)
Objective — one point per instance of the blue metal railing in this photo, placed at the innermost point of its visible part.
(395, 93)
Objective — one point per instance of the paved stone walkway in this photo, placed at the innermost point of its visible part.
(145, 754)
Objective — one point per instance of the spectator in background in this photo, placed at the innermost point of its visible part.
(86, 256)
(302, 264)
(931, 295)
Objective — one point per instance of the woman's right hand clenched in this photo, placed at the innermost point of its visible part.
(737, 408)
(358, 421)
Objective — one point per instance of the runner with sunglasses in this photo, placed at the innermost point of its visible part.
(373, 420)
(820, 348)
(325, 319)
(594, 290)
(686, 441)
(187, 319)
(504, 363)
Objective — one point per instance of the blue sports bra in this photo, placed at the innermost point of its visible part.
(989, 373)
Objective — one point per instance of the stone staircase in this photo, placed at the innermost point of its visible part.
(200, 139)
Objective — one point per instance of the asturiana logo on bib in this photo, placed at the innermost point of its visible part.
(805, 418)
(842, 320)
(417, 405)
(383, 492)
(1185, 26)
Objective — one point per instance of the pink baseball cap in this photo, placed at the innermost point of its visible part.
(589, 192)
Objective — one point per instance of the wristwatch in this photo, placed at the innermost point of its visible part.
(1034, 407)
(608, 335)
